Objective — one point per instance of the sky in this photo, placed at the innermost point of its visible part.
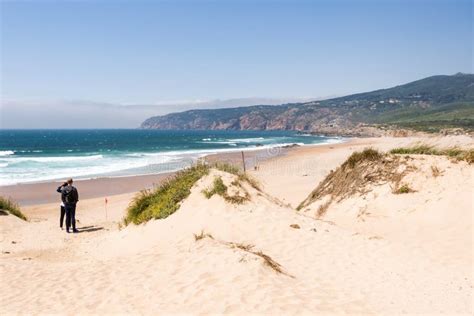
(156, 57)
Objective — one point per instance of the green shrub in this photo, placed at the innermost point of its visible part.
(403, 189)
(165, 199)
(11, 207)
(218, 187)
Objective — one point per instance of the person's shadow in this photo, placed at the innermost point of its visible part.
(89, 229)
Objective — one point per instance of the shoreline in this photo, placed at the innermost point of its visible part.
(278, 159)
(44, 192)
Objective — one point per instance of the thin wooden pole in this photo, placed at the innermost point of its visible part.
(105, 206)
(243, 160)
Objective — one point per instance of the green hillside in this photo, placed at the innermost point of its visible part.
(428, 104)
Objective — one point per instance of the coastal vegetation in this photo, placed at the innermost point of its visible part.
(354, 176)
(357, 157)
(404, 188)
(8, 206)
(363, 169)
(165, 199)
(219, 188)
(241, 176)
(248, 248)
(453, 152)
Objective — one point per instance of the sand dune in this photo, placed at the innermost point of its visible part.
(412, 253)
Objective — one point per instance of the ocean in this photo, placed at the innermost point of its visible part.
(42, 155)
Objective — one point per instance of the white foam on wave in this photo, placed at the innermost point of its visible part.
(30, 151)
(48, 173)
(99, 165)
(222, 142)
(6, 153)
(84, 168)
(54, 159)
(235, 141)
(248, 140)
(336, 140)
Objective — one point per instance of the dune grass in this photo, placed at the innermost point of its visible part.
(415, 150)
(165, 199)
(354, 176)
(248, 248)
(452, 152)
(219, 188)
(202, 235)
(11, 207)
(242, 176)
(368, 154)
(435, 171)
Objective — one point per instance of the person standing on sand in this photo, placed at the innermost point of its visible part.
(63, 208)
(70, 196)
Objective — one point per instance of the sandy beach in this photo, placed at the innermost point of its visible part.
(27, 194)
(371, 253)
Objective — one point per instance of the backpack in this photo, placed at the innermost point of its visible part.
(70, 196)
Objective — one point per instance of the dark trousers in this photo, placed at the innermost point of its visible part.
(70, 216)
(61, 219)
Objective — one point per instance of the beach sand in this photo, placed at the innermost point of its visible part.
(409, 254)
(27, 194)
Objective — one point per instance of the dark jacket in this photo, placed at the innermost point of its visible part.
(69, 194)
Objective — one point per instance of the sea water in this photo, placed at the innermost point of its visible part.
(43, 155)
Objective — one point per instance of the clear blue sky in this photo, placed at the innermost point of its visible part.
(141, 52)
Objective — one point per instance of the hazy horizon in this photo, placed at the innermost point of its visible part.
(22, 115)
(127, 61)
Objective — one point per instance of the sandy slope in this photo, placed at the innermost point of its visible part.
(414, 255)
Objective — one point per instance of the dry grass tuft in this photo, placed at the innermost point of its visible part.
(435, 171)
(244, 247)
(295, 226)
(11, 207)
(469, 156)
(270, 262)
(456, 153)
(267, 260)
(202, 235)
(355, 175)
(322, 209)
(368, 154)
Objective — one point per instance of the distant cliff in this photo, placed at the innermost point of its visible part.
(431, 103)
